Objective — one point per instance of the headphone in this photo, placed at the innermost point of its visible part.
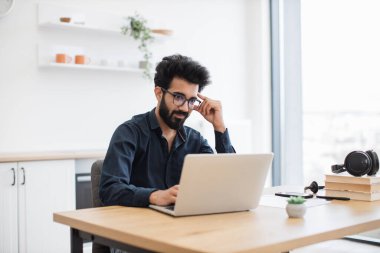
(359, 163)
(313, 187)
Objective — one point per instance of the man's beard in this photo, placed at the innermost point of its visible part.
(169, 118)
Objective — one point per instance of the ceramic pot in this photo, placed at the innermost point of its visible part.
(143, 64)
(296, 210)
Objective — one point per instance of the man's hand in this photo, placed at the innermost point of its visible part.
(211, 110)
(164, 197)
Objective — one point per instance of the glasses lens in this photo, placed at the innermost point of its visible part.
(193, 103)
(179, 100)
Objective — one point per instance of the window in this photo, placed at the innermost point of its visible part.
(341, 81)
(325, 56)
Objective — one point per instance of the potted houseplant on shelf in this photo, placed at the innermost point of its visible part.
(296, 207)
(137, 29)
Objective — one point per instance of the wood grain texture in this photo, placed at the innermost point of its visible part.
(266, 229)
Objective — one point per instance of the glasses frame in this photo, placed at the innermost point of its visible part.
(184, 99)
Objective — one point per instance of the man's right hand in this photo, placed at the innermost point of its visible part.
(164, 197)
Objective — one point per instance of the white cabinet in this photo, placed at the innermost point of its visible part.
(30, 193)
(8, 208)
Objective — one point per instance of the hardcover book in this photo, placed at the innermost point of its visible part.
(367, 188)
(347, 178)
(354, 195)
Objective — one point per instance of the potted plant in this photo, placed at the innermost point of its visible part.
(137, 29)
(296, 207)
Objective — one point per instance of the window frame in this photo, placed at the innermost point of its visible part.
(286, 84)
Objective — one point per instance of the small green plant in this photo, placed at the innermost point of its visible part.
(296, 200)
(137, 29)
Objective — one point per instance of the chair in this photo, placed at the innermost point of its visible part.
(96, 171)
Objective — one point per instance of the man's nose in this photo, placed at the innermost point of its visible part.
(185, 107)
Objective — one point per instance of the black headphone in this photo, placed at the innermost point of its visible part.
(359, 163)
(313, 187)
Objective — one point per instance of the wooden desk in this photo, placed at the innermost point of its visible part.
(266, 229)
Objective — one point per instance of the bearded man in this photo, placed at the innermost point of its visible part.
(144, 160)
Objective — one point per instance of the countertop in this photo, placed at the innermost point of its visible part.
(51, 155)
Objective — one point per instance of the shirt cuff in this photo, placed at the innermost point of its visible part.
(142, 195)
(223, 143)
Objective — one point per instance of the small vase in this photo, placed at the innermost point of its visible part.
(143, 64)
(296, 210)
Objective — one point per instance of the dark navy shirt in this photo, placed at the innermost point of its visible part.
(139, 162)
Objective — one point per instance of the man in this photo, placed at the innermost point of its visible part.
(145, 156)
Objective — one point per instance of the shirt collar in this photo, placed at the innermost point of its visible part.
(153, 122)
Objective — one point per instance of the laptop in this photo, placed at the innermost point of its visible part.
(219, 183)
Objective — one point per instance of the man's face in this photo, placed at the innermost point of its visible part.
(173, 115)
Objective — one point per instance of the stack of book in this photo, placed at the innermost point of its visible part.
(365, 188)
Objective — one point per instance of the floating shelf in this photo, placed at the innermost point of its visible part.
(53, 17)
(90, 67)
(157, 33)
(70, 26)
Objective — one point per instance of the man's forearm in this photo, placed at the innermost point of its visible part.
(125, 195)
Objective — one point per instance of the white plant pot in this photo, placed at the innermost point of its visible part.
(296, 210)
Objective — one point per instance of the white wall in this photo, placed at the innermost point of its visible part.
(61, 109)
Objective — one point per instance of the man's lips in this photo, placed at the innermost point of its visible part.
(180, 115)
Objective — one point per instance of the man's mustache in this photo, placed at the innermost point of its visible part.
(181, 113)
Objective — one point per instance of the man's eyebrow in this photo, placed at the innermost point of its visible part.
(179, 93)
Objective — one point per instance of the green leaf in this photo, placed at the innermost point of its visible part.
(296, 200)
(138, 30)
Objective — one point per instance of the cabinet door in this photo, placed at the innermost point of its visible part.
(49, 187)
(8, 208)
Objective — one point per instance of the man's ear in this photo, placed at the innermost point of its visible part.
(158, 93)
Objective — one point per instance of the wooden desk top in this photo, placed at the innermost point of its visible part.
(266, 229)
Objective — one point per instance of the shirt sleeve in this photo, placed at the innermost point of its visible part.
(115, 187)
(223, 143)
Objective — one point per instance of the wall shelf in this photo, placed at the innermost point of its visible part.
(121, 56)
(90, 67)
(72, 26)
(49, 16)
(157, 33)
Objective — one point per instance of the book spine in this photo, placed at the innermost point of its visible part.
(353, 195)
(351, 180)
(352, 187)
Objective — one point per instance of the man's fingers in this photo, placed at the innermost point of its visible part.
(201, 96)
(172, 196)
(206, 109)
(173, 191)
(203, 106)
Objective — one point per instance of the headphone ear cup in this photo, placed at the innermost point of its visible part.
(375, 162)
(358, 163)
(313, 187)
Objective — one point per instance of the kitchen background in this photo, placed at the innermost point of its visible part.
(49, 108)
(56, 119)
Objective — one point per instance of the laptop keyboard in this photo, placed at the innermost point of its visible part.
(170, 207)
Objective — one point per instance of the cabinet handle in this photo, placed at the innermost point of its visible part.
(23, 176)
(14, 176)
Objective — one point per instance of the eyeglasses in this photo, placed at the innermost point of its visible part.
(180, 100)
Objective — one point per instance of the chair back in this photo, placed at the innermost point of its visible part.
(96, 171)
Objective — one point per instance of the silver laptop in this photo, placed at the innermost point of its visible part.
(218, 183)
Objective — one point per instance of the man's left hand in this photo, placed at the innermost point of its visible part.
(211, 110)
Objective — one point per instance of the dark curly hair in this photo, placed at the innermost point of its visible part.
(182, 67)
